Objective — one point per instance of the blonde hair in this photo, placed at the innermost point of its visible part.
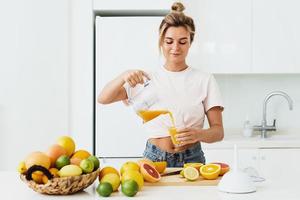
(176, 18)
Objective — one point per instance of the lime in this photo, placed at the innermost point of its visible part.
(104, 189)
(191, 173)
(129, 187)
(62, 161)
(87, 165)
(95, 161)
(113, 179)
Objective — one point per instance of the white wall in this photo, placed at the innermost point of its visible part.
(244, 95)
(34, 76)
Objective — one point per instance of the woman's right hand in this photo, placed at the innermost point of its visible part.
(134, 77)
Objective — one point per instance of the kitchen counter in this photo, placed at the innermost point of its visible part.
(13, 188)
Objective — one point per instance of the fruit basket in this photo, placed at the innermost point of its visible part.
(63, 185)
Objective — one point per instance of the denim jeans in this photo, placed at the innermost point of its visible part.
(191, 155)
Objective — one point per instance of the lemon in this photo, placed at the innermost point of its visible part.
(134, 175)
(67, 143)
(22, 167)
(129, 166)
(210, 171)
(70, 170)
(130, 187)
(113, 179)
(195, 165)
(104, 189)
(191, 173)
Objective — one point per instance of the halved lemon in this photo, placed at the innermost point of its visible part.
(191, 173)
(195, 165)
(210, 171)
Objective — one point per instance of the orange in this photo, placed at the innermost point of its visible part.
(107, 170)
(160, 166)
(67, 143)
(81, 154)
(129, 166)
(210, 171)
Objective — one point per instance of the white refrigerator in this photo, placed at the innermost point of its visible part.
(123, 43)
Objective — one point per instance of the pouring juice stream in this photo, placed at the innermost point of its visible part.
(148, 115)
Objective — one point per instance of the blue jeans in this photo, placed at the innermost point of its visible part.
(191, 155)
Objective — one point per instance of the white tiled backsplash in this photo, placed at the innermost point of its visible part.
(243, 96)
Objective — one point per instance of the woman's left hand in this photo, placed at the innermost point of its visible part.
(188, 136)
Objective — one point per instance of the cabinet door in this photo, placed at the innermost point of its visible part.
(279, 164)
(122, 43)
(223, 36)
(276, 42)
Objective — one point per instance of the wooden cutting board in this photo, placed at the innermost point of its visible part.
(178, 180)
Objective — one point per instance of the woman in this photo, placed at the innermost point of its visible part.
(188, 93)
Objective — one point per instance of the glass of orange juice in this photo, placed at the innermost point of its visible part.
(173, 132)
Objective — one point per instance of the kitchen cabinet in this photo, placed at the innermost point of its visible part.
(279, 164)
(223, 36)
(276, 42)
(270, 163)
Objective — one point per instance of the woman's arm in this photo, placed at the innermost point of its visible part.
(114, 91)
(213, 134)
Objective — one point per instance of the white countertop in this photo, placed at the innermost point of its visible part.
(12, 187)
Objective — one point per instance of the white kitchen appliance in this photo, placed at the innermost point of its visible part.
(236, 181)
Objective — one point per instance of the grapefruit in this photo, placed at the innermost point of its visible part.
(145, 160)
(149, 173)
(224, 167)
(54, 152)
(37, 158)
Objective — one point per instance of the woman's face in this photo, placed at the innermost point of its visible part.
(176, 44)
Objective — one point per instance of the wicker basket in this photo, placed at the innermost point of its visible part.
(64, 185)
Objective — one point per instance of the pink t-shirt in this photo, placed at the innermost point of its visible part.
(188, 94)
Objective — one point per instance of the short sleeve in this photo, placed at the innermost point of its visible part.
(213, 97)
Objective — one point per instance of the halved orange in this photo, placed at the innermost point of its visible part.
(210, 171)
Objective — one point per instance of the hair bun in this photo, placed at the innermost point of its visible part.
(178, 7)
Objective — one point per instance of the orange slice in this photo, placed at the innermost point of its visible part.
(191, 173)
(210, 171)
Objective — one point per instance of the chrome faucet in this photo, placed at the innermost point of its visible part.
(263, 128)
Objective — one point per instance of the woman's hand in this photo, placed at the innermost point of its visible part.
(134, 77)
(188, 136)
